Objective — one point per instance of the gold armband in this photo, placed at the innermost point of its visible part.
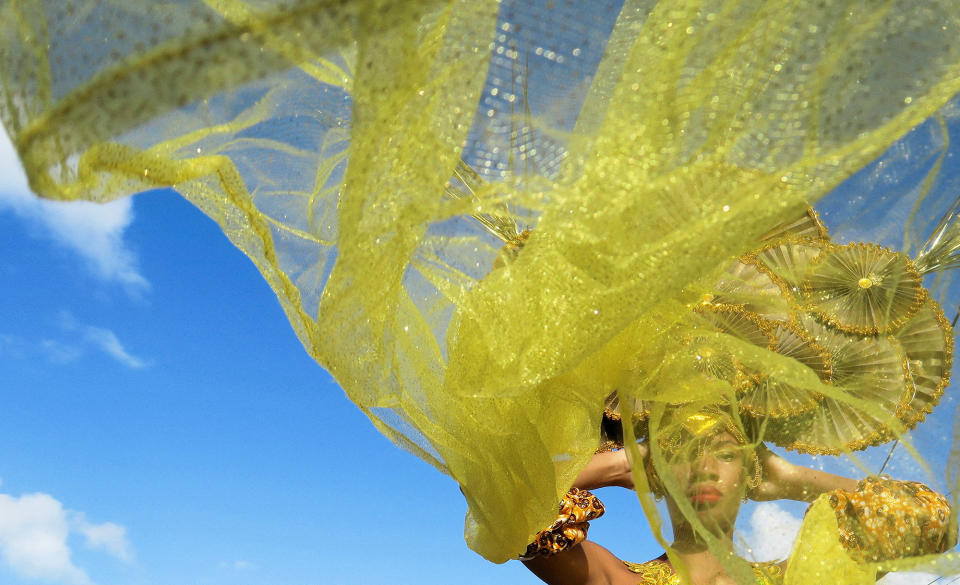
(576, 509)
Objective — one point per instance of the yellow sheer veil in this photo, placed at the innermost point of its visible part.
(649, 143)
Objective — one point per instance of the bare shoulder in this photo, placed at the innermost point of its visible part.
(585, 564)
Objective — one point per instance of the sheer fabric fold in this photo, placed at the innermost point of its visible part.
(647, 144)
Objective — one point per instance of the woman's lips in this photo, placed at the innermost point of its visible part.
(705, 495)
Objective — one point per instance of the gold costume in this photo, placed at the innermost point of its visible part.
(348, 149)
(659, 572)
(883, 520)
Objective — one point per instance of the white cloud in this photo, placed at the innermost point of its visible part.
(33, 539)
(107, 341)
(108, 537)
(34, 531)
(94, 231)
(771, 533)
(103, 339)
(81, 338)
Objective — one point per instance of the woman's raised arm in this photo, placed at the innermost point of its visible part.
(783, 480)
(560, 555)
(610, 468)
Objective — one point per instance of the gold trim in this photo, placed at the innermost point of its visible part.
(607, 446)
(911, 416)
(660, 572)
(655, 572)
(611, 409)
(821, 227)
(764, 325)
(611, 414)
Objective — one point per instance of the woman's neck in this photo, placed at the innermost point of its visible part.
(704, 562)
(687, 540)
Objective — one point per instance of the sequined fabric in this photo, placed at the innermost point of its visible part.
(659, 572)
(577, 508)
(886, 519)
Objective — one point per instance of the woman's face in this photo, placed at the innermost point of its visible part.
(710, 475)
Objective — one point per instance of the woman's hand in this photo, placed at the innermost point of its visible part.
(610, 468)
(782, 480)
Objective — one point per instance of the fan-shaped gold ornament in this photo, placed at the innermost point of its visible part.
(926, 341)
(786, 261)
(871, 386)
(771, 396)
(714, 363)
(862, 288)
(868, 384)
(751, 289)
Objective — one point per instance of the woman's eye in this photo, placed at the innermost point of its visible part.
(726, 456)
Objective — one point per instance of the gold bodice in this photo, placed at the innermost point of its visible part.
(660, 572)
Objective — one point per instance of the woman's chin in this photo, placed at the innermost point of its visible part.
(717, 516)
(705, 501)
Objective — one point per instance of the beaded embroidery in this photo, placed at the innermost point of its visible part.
(659, 572)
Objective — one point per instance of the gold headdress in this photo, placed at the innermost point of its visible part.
(856, 315)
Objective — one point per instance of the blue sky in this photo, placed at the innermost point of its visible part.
(162, 424)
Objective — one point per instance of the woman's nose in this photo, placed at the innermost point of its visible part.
(705, 465)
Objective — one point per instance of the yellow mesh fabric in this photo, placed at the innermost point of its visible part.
(822, 558)
(647, 143)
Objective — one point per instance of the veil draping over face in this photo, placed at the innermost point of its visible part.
(350, 148)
